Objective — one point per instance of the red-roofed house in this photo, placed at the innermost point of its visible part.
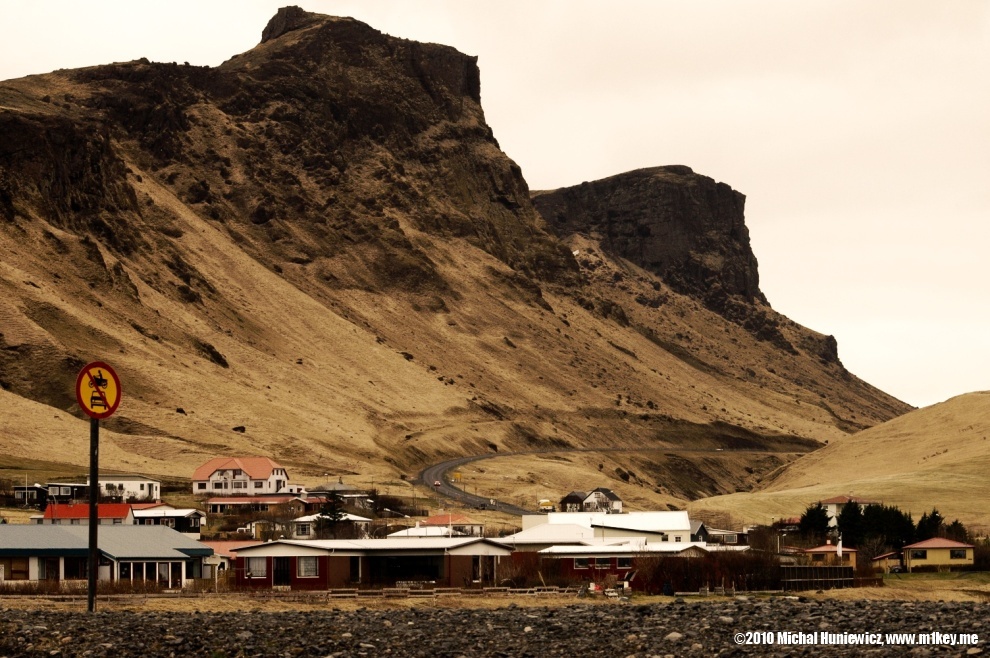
(78, 514)
(458, 523)
(938, 554)
(247, 476)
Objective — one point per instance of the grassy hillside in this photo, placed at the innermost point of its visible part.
(938, 456)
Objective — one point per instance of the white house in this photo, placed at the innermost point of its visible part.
(186, 521)
(306, 527)
(129, 487)
(602, 500)
(834, 506)
(248, 476)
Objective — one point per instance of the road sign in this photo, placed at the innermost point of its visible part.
(98, 390)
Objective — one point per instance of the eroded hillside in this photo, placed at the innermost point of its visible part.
(320, 244)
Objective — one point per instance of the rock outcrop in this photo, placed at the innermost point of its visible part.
(686, 228)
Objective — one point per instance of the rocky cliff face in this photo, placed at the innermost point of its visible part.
(684, 227)
(321, 241)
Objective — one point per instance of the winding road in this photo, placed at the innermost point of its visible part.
(437, 473)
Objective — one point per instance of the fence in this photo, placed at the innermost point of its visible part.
(799, 578)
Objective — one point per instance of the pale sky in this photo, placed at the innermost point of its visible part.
(859, 131)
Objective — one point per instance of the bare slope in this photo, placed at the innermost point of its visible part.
(320, 243)
(933, 457)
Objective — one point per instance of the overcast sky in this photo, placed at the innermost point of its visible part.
(858, 130)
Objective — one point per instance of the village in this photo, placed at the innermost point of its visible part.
(252, 529)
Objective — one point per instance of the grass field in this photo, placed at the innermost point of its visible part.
(958, 586)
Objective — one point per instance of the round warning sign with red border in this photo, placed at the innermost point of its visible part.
(98, 390)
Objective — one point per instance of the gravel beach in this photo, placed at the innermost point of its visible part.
(676, 628)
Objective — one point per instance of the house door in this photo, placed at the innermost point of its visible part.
(281, 572)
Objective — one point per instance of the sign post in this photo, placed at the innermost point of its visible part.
(98, 393)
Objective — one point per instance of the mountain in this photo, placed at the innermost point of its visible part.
(318, 252)
(937, 456)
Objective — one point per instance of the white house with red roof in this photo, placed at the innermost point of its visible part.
(833, 506)
(458, 523)
(78, 514)
(248, 476)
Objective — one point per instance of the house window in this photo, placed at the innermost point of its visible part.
(259, 484)
(76, 568)
(677, 538)
(957, 553)
(200, 485)
(919, 554)
(624, 562)
(237, 472)
(306, 567)
(580, 563)
(817, 557)
(603, 563)
(731, 539)
(118, 521)
(15, 568)
(257, 567)
(240, 485)
(194, 522)
(218, 485)
(142, 486)
(73, 521)
(303, 529)
(19, 495)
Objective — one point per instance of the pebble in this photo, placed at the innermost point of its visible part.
(686, 628)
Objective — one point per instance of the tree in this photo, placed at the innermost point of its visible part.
(889, 524)
(850, 522)
(930, 525)
(956, 531)
(331, 517)
(814, 523)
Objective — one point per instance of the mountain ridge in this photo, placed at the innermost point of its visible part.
(321, 241)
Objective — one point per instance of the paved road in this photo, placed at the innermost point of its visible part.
(438, 472)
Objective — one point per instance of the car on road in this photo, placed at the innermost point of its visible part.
(437, 483)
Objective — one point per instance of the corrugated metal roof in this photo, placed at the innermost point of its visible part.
(155, 513)
(389, 544)
(81, 511)
(640, 521)
(120, 542)
(634, 548)
(551, 533)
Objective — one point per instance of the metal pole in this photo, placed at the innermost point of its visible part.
(94, 496)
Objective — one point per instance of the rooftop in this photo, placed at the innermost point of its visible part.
(257, 468)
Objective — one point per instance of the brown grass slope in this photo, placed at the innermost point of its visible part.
(938, 456)
(321, 241)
